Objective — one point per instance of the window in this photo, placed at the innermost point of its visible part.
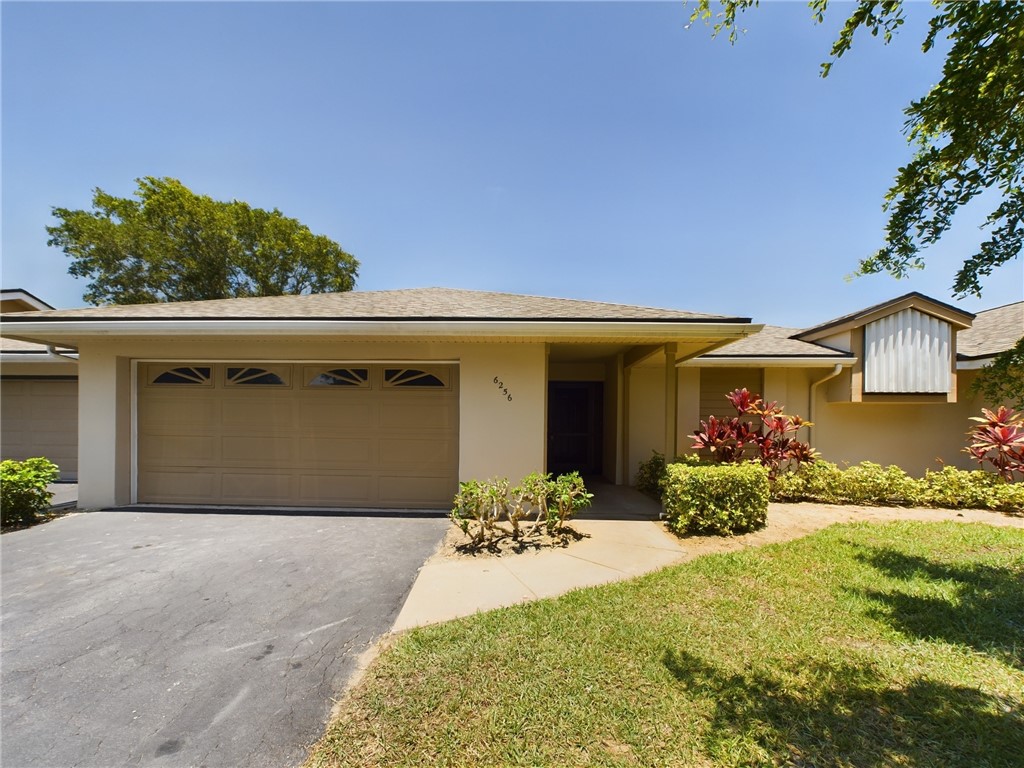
(410, 377)
(340, 377)
(254, 377)
(183, 375)
(908, 352)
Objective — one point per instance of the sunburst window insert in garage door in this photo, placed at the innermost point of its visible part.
(299, 434)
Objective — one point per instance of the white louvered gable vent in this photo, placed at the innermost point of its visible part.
(907, 352)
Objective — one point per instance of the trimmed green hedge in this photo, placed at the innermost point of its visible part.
(872, 484)
(718, 499)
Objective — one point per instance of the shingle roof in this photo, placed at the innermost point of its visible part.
(868, 310)
(408, 304)
(16, 345)
(993, 331)
(775, 341)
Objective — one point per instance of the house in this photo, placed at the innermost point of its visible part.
(889, 384)
(38, 395)
(364, 399)
(384, 399)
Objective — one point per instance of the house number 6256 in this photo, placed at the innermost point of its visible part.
(503, 389)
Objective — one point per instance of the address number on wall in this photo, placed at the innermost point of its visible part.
(503, 389)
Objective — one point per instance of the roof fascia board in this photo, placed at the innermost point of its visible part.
(917, 301)
(55, 328)
(35, 358)
(974, 363)
(767, 362)
(20, 294)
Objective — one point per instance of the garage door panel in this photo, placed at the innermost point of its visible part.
(180, 450)
(39, 417)
(257, 451)
(262, 412)
(406, 453)
(182, 487)
(366, 445)
(408, 416)
(335, 451)
(256, 488)
(321, 414)
(401, 490)
(177, 411)
(337, 490)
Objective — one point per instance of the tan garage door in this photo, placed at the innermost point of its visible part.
(335, 435)
(39, 417)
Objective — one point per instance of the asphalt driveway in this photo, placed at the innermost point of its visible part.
(171, 639)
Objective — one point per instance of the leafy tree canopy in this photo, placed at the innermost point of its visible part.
(968, 130)
(170, 244)
(1002, 382)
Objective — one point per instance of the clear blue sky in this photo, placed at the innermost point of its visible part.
(585, 150)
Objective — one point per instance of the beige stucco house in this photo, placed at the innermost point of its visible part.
(388, 398)
(889, 384)
(38, 395)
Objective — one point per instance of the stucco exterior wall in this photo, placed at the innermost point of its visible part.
(911, 435)
(646, 415)
(497, 436)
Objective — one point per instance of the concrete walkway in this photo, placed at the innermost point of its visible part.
(451, 585)
(64, 495)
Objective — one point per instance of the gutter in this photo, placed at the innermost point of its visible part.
(974, 364)
(55, 329)
(776, 361)
(12, 358)
(51, 353)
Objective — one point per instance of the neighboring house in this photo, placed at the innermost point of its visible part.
(38, 395)
(388, 398)
(889, 384)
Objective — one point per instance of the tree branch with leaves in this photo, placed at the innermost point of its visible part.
(170, 244)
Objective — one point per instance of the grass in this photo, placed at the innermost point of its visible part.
(863, 645)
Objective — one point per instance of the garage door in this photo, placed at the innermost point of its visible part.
(39, 417)
(335, 435)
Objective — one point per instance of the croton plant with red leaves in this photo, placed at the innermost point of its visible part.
(772, 441)
(998, 438)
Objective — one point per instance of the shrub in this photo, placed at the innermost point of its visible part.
(998, 438)
(650, 475)
(493, 510)
(871, 484)
(23, 492)
(864, 483)
(719, 499)
(566, 496)
(772, 442)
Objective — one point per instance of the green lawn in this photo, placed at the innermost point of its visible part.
(863, 645)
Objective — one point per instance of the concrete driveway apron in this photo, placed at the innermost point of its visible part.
(169, 638)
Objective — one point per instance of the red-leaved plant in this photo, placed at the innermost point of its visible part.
(998, 438)
(772, 442)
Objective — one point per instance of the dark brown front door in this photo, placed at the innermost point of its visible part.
(575, 410)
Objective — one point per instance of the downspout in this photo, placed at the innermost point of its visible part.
(814, 396)
(52, 352)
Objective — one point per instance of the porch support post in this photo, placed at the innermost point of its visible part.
(671, 400)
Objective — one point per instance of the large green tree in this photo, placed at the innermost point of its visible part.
(968, 138)
(169, 244)
(967, 131)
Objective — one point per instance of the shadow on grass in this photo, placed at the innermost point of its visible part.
(844, 714)
(981, 606)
